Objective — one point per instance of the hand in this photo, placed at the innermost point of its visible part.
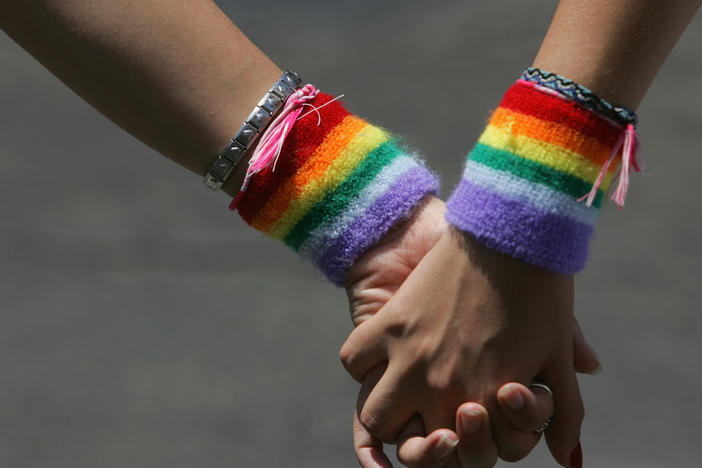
(374, 279)
(465, 321)
(476, 448)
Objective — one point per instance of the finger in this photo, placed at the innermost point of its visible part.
(384, 409)
(513, 444)
(369, 450)
(585, 358)
(369, 382)
(417, 451)
(563, 435)
(477, 448)
(363, 350)
(525, 407)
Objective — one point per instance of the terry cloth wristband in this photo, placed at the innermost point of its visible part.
(525, 180)
(580, 94)
(337, 187)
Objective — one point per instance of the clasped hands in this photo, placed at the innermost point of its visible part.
(448, 337)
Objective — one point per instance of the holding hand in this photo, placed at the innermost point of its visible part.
(472, 444)
(372, 282)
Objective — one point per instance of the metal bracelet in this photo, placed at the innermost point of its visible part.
(252, 128)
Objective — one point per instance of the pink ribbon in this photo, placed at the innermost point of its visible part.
(268, 150)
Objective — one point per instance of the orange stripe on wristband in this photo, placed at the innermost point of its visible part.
(551, 132)
(324, 155)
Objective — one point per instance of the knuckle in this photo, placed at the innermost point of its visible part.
(352, 360)
(446, 377)
(369, 420)
(347, 355)
(395, 325)
(438, 383)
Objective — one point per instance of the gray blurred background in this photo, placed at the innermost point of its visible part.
(142, 325)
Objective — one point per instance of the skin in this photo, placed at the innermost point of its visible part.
(373, 281)
(615, 48)
(463, 312)
(467, 319)
(199, 81)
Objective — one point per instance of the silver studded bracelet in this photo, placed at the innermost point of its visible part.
(255, 124)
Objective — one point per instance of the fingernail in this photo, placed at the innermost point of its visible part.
(598, 370)
(471, 419)
(576, 457)
(512, 397)
(599, 363)
(445, 446)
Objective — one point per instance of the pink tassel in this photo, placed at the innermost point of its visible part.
(268, 150)
(628, 160)
(628, 143)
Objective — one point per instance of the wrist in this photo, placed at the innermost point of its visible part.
(235, 156)
(524, 182)
(409, 239)
(338, 185)
(427, 215)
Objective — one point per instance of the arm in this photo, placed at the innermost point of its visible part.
(179, 76)
(506, 320)
(615, 48)
(182, 79)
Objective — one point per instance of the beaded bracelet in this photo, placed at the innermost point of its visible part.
(543, 152)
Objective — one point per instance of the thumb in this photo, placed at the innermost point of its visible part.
(584, 357)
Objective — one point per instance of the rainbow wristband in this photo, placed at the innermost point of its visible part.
(523, 183)
(338, 186)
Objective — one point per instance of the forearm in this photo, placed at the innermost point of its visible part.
(547, 148)
(615, 48)
(179, 76)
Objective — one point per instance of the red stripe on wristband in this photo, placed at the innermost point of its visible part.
(528, 101)
(307, 134)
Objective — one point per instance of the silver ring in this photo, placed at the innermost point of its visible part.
(547, 423)
(543, 427)
(542, 386)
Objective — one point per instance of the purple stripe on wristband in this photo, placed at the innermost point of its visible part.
(375, 222)
(554, 242)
